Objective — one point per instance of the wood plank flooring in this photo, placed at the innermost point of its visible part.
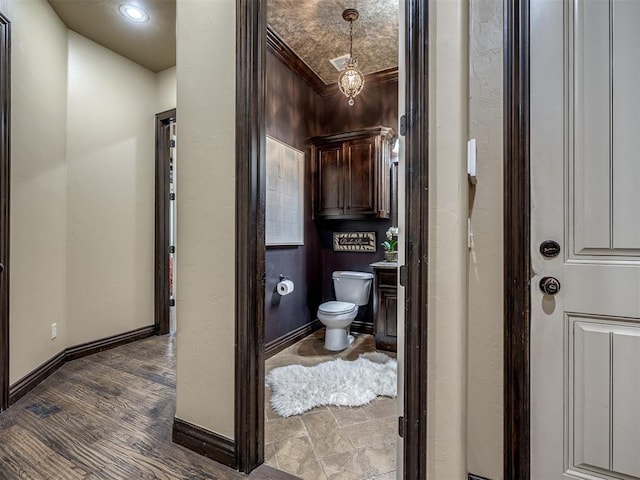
(106, 416)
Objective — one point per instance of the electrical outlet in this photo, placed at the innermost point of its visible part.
(54, 330)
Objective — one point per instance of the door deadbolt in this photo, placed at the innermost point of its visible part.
(549, 285)
(550, 248)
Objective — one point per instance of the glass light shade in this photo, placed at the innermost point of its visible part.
(134, 13)
(351, 80)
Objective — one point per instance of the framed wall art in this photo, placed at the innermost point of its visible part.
(284, 213)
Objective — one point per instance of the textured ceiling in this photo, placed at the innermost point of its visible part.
(151, 44)
(316, 32)
(313, 29)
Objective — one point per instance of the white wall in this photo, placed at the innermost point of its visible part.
(206, 212)
(38, 185)
(6, 8)
(167, 89)
(448, 85)
(82, 191)
(110, 159)
(485, 393)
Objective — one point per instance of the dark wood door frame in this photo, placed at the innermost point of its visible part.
(250, 268)
(161, 256)
(5, 183)
(416, 238)
(250, 203)
(517, 262)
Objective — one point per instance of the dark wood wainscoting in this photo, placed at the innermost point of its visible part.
(31, 380)
(362, 327)
(206, 443)
(476, 477)
(285, 341)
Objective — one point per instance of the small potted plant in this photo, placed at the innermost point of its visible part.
(390, 245)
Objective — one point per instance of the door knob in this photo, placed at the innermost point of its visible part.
(1, 267)
(549, 285)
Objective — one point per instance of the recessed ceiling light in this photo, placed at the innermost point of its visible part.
(135, 13)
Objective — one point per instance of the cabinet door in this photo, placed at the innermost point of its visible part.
(386, 309)
(360, 177)
(387, 319)
(330, 194)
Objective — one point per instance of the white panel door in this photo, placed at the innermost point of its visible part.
(585, 195)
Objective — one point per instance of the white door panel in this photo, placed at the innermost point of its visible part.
(602, 75)
(603, 392)
(585, 194)
(601, 289)
(590, 411)
(591, 126)
(626, 401)
(626, 128)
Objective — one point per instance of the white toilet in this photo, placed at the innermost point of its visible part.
(352, 290)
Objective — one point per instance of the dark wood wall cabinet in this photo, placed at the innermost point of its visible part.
(352, 174)
(385, 305)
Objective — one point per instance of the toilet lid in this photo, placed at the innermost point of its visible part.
(335, 308)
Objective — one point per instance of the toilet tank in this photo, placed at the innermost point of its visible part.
(352, 287)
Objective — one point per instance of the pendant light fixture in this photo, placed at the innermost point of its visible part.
(351, 79)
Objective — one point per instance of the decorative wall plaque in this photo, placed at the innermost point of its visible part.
(354, 241)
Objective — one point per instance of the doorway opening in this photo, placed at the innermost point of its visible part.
(165, 221)
(250, 225)
(329, 179)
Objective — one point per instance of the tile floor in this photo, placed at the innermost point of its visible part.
(332, 443)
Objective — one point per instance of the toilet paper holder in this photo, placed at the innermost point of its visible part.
(285, 286)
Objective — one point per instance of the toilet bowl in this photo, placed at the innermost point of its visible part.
(337, 317)
(352, 290)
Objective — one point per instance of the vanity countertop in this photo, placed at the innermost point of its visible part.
(385, 265)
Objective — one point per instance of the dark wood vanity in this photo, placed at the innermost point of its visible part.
(385, 305)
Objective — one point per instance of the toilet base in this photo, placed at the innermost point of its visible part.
(337, 339)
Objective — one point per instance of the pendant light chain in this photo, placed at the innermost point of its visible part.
(351, 40)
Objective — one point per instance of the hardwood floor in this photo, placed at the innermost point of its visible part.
(106, 416)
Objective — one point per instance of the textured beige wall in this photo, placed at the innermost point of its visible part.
(448, 240)
(110, 166)
(206, 213)
(167, 90)
(81, 187)
(38, 185)
(485, 402)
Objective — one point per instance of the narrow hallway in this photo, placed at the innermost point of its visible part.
(105, 416)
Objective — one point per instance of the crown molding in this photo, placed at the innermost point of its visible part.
(283, 52)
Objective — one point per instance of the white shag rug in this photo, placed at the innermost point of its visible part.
(296, 389)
